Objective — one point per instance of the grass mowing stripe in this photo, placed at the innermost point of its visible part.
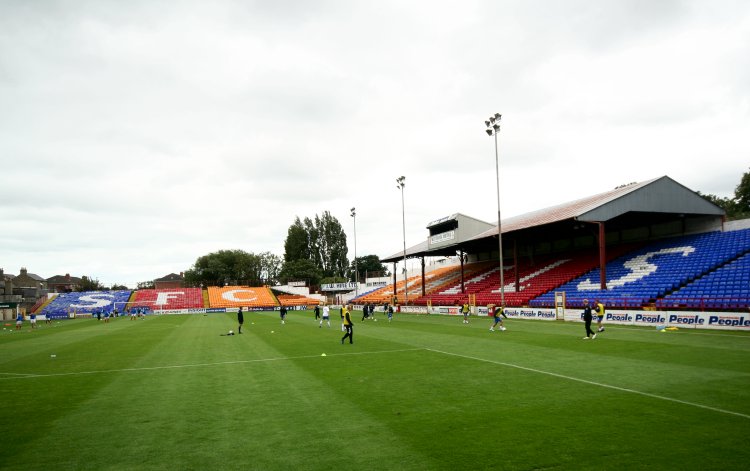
(594, 383)
(220, 405)
(194, 365)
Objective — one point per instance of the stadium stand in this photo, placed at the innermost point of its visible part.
(236, 296)
(40, 303)
(437, 279)
(85, 302)
(296, 300)
(726, 288)
(176, 298)
(643, 276)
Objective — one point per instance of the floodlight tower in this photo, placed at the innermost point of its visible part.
(356, 270)
(493, 128)
(400, 184)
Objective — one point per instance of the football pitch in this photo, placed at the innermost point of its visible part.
(420, 393)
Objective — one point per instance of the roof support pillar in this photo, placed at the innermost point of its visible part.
(515, 265)
(602, 257)
(462, 271)
(423, 288)
(395, 292)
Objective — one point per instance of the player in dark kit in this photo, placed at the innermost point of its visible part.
(587, 318)
(240, 320)
(365, 311)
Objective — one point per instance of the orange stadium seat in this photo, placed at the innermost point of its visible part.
(245, 296)
(296, 300)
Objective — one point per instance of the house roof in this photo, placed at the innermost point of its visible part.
(170, 277)
(61, 279)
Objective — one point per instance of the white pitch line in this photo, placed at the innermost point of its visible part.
(594, 383)
(192, 365)
(17, 375)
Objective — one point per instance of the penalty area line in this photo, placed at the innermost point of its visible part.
(18, 376)
(593, 383)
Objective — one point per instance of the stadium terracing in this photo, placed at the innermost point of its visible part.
(67, 305)
(651, 245)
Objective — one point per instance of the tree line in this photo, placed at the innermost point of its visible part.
(738, 206)
(315, 252)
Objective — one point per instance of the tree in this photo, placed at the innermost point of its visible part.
(90, 284)
(235, 267)
(321, 241)
(737, 207)
(300, 270)
(333, 279)
(116, 287)
(723, 203)
(146, 284)
(742, 197)
(297, 244)
(369, 265)
(331, 245)
(270, 267)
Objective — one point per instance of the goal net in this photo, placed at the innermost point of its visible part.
(138, 307)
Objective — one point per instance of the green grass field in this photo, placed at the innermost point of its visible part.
(422, 393)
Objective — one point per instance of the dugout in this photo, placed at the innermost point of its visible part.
(629, 214)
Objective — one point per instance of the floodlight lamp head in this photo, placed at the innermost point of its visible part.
(488, 131)
(487, 123)
(492, 119)
(496, 127)
(498, 116)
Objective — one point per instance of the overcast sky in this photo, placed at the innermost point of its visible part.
(137, 136)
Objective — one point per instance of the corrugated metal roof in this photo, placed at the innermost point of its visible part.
(658, 195)
(411, 251)
(561, 212)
